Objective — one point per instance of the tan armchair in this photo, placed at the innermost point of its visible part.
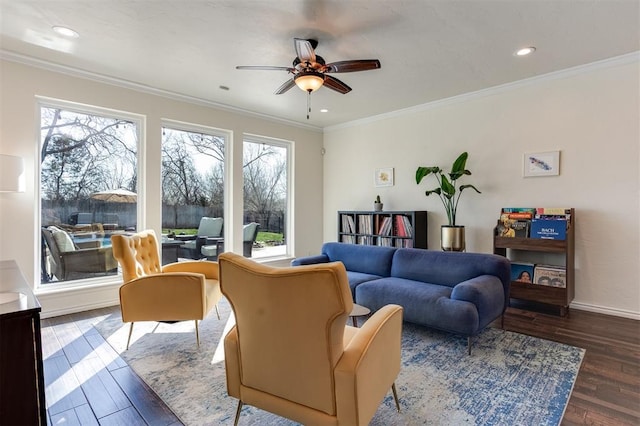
(175, 292)
(291, 352)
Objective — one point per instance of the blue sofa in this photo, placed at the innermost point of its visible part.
(455, 292)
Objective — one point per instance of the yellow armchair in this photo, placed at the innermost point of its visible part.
(151, 292)
(291, 351)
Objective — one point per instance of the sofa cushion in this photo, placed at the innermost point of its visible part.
(372, 260)
(447, 267)
(62, 239)
(357, 278)
(423, 303)
(210, 227)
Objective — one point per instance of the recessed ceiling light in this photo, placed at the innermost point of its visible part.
(525, 51)
(65, 31)
(324, 110)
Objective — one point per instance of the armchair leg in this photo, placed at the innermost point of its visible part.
(469, 344)
(235, 423)
(395, 396)
(197, 334)
(130, 332)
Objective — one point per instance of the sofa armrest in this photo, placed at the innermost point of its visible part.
(369, 365)
(310, 260)
(484, 291)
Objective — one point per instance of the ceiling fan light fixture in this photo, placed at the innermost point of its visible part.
(309, 81)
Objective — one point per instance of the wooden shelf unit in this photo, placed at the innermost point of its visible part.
(367, 226)
(555, 296)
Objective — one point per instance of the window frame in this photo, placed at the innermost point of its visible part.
(139, 121)
(227, 135)
(289, 223)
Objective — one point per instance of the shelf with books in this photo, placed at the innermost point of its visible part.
(562, 250)
(385, 228)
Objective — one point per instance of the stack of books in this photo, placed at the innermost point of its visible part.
(534, 222)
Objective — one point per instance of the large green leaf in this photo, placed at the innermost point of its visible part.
(447, 187)
(463, 187)
(458, 167)
(422, 172)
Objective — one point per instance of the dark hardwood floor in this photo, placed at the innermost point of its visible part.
(87, 383)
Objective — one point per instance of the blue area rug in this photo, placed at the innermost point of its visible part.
(509, 378)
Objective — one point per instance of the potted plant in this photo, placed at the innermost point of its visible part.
(451, 235)
(377, 204)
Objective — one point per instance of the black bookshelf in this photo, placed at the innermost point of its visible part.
(384, 228)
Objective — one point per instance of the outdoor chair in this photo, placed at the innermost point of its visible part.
(77, 260)
(297, 358)
(151, 292)
(214, 246)
(209, 227)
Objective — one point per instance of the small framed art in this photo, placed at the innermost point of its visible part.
(383, 177)
(541, 163)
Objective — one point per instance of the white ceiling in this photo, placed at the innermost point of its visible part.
(429, 49)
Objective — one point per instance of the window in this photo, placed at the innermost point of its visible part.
(88, 180)
(193, 161)
(266, 172)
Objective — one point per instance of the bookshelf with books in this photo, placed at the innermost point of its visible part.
(385, 228)
(548, 247)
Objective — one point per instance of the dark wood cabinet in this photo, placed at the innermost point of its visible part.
(22, 394)
(565, 253)
(383, 228)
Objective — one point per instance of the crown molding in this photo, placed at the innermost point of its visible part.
(100, 78)
(629, 58)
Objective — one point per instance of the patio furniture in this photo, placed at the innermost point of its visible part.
(214, 246)
(209, 227)
(175, 292)
(77, 260)
(249, 234)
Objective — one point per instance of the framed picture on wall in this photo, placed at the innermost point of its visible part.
(383, 177)
(541, 163)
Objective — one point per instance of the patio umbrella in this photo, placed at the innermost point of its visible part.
(116, 196)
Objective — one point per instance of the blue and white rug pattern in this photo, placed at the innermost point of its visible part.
(509, 378)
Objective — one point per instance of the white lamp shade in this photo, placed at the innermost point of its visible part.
(309, 81)
(11, 173)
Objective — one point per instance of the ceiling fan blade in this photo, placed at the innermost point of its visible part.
(335, 84)
(353, 66)
(304, 50)
(285, 86)
(264, 68)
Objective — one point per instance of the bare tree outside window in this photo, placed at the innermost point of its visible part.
(83, 155)
(265, 194)
(192, 178)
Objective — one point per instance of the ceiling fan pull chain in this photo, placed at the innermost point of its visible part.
(308, 103)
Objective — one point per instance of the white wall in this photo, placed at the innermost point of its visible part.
(590, 114)
(19, 135)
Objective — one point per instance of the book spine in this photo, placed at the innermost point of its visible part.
(553, 210)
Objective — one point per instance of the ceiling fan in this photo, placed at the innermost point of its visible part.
(310, 71)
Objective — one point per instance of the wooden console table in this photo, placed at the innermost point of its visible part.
(22, 396)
